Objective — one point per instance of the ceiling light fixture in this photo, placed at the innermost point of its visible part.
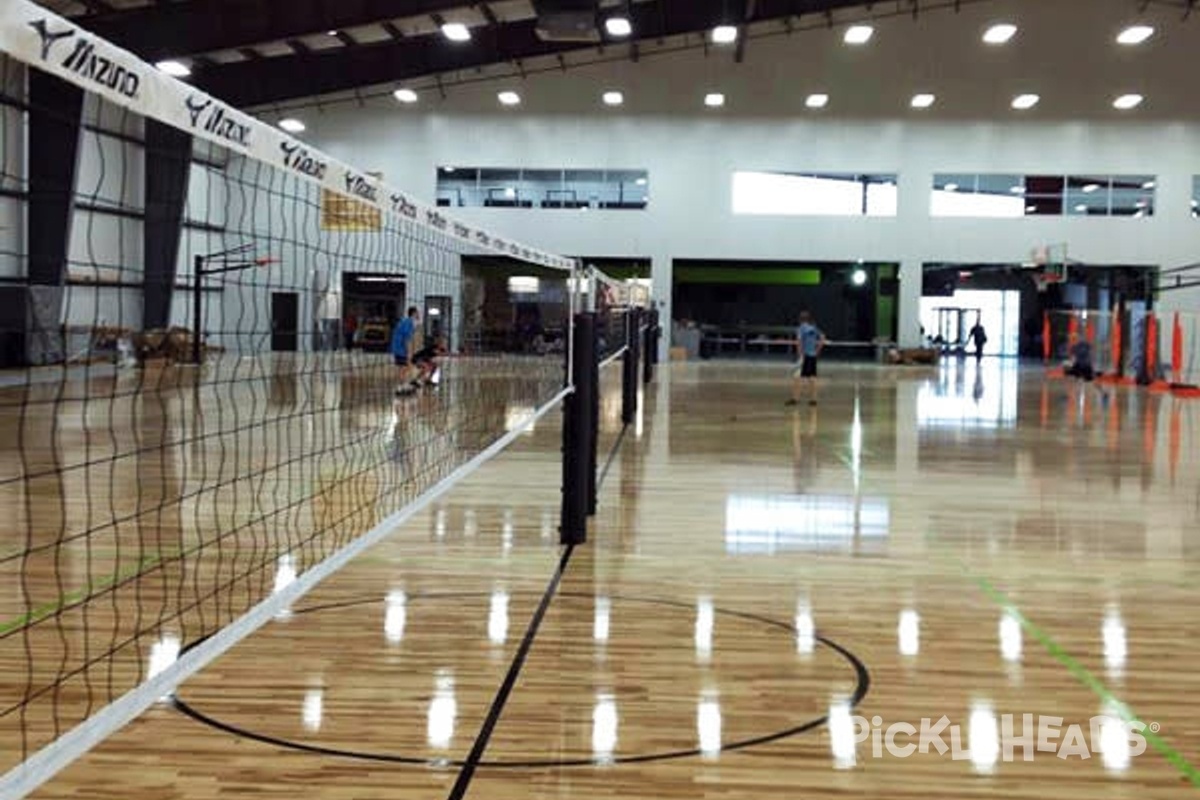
(405, 95)
(724, 34)
(1000, 34)
(1091, 187)
(175, 69)
(331, 33)
(1149, 185)
(858, 34)
(1017, 190)
(1135, 34)
(509, 98)
(714, 100)
(951, 187)
(1128, 101)
(1082, 207)
(817, 100)
(923, 100)
(1023, 102)
(618, 26)
(613, 98)
(292, 125)
(456, 32)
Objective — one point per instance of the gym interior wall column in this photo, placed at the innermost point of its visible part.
(909, 306)
(662, 279)
(55, 113)
(168, 165)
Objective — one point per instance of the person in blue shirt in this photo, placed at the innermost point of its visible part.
(403, 344)
(810, 341)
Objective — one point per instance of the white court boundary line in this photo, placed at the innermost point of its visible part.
(54, 757)
(614, 356)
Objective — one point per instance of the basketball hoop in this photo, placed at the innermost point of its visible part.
(1042, 280)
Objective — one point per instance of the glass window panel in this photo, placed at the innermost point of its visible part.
(1196, 195)
(1044, 185)
(458, 186)
(500, 187)
(800, 195)
(1132, 202)
(1043, 205)
(588, 185)
(1001, 185)
(954, 182)
(538, 185)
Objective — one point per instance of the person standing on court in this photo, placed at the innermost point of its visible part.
(978, 337)
(403, 344)
(810, 341)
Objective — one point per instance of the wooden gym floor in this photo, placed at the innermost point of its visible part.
(964, 542)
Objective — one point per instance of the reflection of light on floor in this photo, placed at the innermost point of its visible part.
(439, 527)
(1010, 639)
(1116, 750)
(1115, 648)
(506, 532)
(163, 654)
(443, 709)
(314, 704)
(395, 616)
(774, 523)
(604, 728)
(600, 622)
(909, 633)
(498, 617)
(516, 416)
(285, 575)
(708, 724)
(841, 735)
(704, 629)
(806, 629)
(984, 738)
(965, 394)
(856, 437)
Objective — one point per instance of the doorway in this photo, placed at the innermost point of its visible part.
(439, 320)
(285, 319)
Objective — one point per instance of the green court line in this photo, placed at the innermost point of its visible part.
(1085, 677)
(47, 609)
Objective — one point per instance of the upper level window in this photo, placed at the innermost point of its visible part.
(814, 194)
(1015, 195)
(502, 187)
(1196, 196)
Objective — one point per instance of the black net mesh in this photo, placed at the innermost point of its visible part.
(151, 500)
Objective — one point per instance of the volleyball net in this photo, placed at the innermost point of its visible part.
(229, 363)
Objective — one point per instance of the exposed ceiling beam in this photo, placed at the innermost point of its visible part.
(488, 14)
(323, 72)
(202, 26)
(298, 47)
(97, 6)
(346, 39)
(392, 30)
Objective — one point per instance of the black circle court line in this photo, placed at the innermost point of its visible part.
(862, 687)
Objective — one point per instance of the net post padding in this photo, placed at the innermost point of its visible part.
(1185, 381)
(629, 371)
(1154, 368)
(577, 433)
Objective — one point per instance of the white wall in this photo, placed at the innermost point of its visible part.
(691, 162)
